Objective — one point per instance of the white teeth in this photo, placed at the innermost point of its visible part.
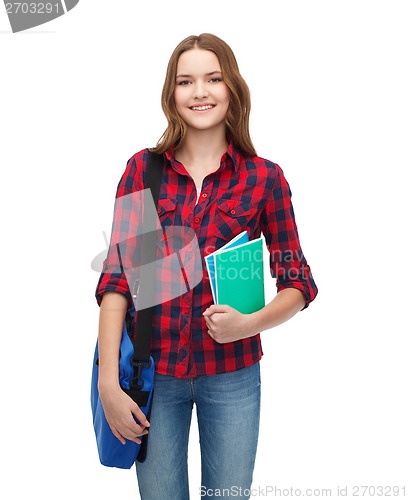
(201, 108)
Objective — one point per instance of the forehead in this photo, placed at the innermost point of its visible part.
(197, 62)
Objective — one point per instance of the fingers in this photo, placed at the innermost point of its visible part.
(215, 337)
(210, 325)
(135, 436)
(216, 308)
(209, 322)
(117, 435)
(140, 416)
(126, 433)
(133, 429)
(126, 419)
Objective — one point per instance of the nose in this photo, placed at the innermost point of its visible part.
(200, 91)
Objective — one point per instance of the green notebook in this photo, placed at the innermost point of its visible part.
(239, 276)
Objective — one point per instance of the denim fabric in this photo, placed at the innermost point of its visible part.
(228, 412)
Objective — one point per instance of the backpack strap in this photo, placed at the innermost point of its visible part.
(143, 328)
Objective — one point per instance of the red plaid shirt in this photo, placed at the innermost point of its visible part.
(244, 193)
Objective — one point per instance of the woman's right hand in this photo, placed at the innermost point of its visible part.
(120, 411)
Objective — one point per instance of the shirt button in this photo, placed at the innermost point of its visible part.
(186, 311)
(233, 211)
(204, 195)
(197, 220)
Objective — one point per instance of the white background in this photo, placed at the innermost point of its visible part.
(79, 96)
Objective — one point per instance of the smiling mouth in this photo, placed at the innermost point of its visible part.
(202, 108)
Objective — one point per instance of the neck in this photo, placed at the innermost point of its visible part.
(202, 147)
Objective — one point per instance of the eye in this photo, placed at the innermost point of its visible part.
(183, 82)
(216, 80)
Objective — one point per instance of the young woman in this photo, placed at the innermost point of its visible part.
(205, 354)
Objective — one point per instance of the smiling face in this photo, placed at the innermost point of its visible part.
(201, 96)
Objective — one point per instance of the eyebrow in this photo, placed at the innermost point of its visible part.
(206, 74)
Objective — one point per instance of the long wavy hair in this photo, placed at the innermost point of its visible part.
(238, 113)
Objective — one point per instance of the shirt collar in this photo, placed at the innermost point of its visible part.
(232, 155)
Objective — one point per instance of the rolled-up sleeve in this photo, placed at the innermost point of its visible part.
(113, 282)
(287, 260)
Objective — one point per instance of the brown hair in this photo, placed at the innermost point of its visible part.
(237, 117)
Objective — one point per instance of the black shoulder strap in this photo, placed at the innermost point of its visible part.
(143, 328)
(154, 174)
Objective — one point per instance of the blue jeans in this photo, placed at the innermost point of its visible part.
(228, 413)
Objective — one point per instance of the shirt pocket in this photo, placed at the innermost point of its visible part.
(167, 213)
(232, 217)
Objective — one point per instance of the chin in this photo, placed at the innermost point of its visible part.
(203, 125)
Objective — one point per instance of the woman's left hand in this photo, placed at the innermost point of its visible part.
(226, 324)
